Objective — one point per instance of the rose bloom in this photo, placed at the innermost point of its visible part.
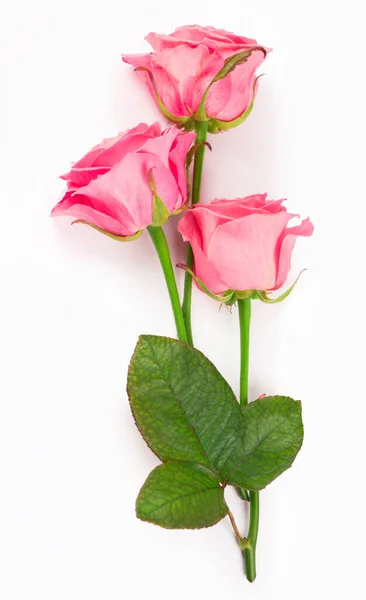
(242, 244)
(111, 186)
(184, 64)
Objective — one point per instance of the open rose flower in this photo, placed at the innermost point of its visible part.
(195, 65)
(128, 182)
(242, 244)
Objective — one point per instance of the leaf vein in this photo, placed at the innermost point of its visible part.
(183, 412)
(194, 493)
(278, 426)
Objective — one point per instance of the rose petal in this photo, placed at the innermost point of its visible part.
(206, 222)
(142, 60)
(235, 209)
(237, 87)
(130, 142)
(167, 188)
(188, 228)
(284, 249)
(177, 161)
(191, 70)
(80, 177)
(203, 268)
(161, 145)
(196, 34)
(88, 209)
(102, 154)
(243, 251)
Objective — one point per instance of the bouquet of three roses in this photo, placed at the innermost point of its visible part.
(203, 81)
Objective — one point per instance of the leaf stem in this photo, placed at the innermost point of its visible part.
(244, 307)
(201, 131)
(159, 240)
(243, 542)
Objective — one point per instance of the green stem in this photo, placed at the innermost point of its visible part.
(201, 135)
(244, 307)
(201, 131)
(159, 240)
(249, 552)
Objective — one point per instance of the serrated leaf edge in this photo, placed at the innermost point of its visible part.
(289, 462)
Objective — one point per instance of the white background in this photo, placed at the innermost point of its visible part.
(73, 303)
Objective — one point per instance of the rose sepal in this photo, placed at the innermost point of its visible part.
(225, 298)
(174, 118)
(215, 125)
(230, 297)
(191, 154)
(114, 236)
(237, 59)
(263, 296)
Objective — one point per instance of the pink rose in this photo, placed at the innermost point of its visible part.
(242, 244)
(126, 182)
(184, 64)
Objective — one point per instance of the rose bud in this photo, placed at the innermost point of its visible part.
(242, 248)
(201, 73)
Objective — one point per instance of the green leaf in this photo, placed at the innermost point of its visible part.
(273, 435)
(183, 407)
(186, 411)
(181, 495)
